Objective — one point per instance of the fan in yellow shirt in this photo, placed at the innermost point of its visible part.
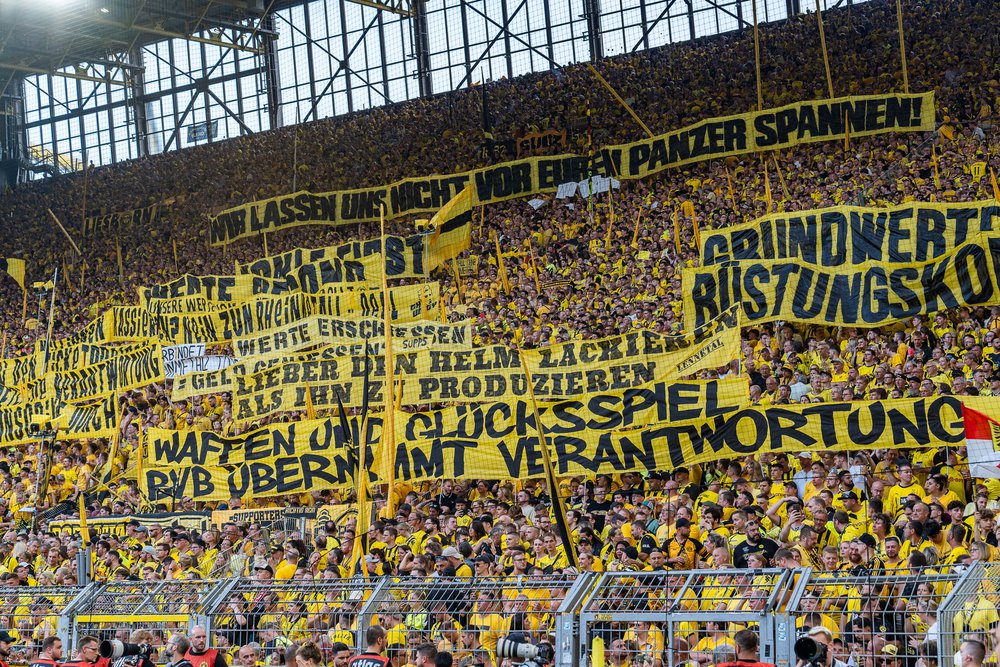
(717, 636)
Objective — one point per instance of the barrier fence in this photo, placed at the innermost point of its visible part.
(886, 618)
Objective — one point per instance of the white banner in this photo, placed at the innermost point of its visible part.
(182, 359)
(209, 362)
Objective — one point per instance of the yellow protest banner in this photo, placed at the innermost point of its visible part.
(312, 277)
(408, 303)
(99, 223)
(93, 333)
(321, 330)
(404, 257)
(280, 459)
(20, 370)
(211, 288)
(93, 421)
(844, 235)
(713, 138)
(569, 369)
(132, 369)
(448, 374)
(129, 324)
(499, 441)
(15, 421)
(866, 295)
(118, 525)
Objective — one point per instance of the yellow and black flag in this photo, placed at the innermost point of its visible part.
(14, 268)
(452, 227)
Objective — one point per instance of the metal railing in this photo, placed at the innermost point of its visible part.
(115, 609)
(467, 615)
(642, 619)
(671, 618)
(295, 610)
(32, 613)
(880, 616)
(968, 611)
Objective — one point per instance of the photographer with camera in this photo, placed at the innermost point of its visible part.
(88, 654)
(199, 655)
(138, 652)
(814, 649)
(177, 647)
(530, 655)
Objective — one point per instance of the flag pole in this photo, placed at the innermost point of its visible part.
(72, 242)
(822, 44)
(558, 506)
(622, 102)
(902, 45)
(387, 443)
(756, 57)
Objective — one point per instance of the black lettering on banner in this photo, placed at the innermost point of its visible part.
(802, 122)
(835, 236)
(870, 295)
(140, 216)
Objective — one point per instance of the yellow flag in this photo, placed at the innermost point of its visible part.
(597, 652)
(452, 227)
(977, 170)
(934, 163)
(996, 189)
(534, 266)
(500, 266)
(14, 268)
(677, 233)
(310, 409)
(732, 193)
(84, 531)
(687, 208)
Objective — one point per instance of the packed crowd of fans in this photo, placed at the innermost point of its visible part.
(872, 513)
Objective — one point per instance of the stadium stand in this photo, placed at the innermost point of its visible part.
(884, 554)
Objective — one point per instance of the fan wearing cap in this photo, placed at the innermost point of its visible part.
(684, 552)
(6, 639)
(863, 557)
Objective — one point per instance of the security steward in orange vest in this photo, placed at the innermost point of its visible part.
(199, 656)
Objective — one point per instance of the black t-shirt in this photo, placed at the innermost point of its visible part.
(447, 501)
(599, 511)
(742, 550)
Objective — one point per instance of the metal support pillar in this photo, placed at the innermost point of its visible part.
(422, 48)
(592, 12)
(273, 82)
(139, 102)
(12, 135)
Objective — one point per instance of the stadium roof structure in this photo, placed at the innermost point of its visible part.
(92, 37)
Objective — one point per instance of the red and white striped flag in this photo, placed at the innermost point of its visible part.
(982, 438)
